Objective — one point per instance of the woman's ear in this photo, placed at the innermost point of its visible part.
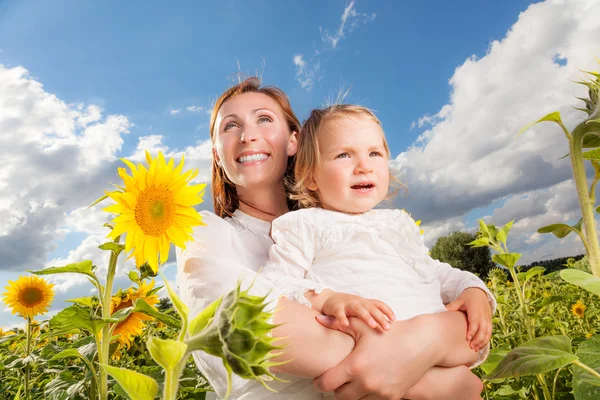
(292, 147)
(216, 156)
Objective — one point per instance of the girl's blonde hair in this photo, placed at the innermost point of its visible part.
(308, 156)
(225, 197)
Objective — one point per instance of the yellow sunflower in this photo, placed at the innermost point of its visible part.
(132, 326)
(155, 209)
(578, 309)
(29, 296)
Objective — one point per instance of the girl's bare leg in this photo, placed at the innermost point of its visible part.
(441, 383)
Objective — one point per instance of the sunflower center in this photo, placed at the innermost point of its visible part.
(155, 210)
(31, 296)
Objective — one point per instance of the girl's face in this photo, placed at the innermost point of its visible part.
(354, 175)
(253, 141)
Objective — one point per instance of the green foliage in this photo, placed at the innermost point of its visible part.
(454, 250)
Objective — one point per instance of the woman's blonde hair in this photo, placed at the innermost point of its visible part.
(225, 197)
(308, 156)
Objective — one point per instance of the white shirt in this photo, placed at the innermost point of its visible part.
(222, 252)
(376, 255)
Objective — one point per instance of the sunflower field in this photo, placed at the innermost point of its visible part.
(127, 343)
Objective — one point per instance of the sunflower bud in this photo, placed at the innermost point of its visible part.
(241, 337)
(592, 105)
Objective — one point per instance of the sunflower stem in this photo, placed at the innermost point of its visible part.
(27, 351)
(106, 331)
(587, 210)
(172, 379)
(588, 369)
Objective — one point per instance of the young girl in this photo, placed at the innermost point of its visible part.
(340, 251)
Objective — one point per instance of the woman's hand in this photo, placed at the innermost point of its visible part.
(383, 364)
(386, 365)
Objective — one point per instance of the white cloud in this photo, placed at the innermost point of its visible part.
(56, 157)
(469, 157)
(306, 74)
(195, 109)
(198, 156)
(350, 20)
(310, 71)
(175, 111)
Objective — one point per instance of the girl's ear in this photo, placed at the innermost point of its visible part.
(312, 184)
(292, 147)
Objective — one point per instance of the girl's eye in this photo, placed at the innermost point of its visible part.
(343, 155)
(375, 154)
(229, 125)
(264, 118)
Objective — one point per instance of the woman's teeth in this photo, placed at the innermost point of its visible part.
(252, 158)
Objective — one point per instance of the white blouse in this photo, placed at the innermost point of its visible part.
(222, 252)
(378, 255)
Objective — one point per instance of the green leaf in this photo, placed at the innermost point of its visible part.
(503, 233)
(181, 308)
(83, 301)
(508, 260)
(64, 386)
(166, 352)
(119, 315)
(592, 155)
(84, 267)
(496, 355)
(145, 308)
(598, 209)
(552, 117)
(68, 353)
(585, 385)
(591, 141)
(561, 230)
(112, 246)
(536, 356)
(582, 279)
(483, 228)
(134, 276)
(480, 242)
(204, 318)
(137, 386)
(531, 272)
(552, 299)
(98, 201)
(74, 317)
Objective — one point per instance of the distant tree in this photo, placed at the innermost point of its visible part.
(164, 304)
(557, 264)
(454, 250)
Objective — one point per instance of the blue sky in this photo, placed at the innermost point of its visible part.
(451, 81)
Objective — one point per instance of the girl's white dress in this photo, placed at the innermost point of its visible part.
(380, 254)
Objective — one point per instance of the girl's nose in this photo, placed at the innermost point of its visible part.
(363, 166)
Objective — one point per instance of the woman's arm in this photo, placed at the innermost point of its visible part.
(388, 364)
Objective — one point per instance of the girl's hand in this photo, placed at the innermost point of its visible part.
(474, 302)
(374, 313)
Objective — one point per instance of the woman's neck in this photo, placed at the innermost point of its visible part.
(265, 203)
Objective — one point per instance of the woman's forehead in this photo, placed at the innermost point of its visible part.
(247, 103)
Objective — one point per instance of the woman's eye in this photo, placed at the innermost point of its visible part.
(264, 118)
(229, 125)
(343, 155)
(375, 154)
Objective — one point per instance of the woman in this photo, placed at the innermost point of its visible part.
(254, 133)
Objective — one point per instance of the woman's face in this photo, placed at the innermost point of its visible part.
(253, 140)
